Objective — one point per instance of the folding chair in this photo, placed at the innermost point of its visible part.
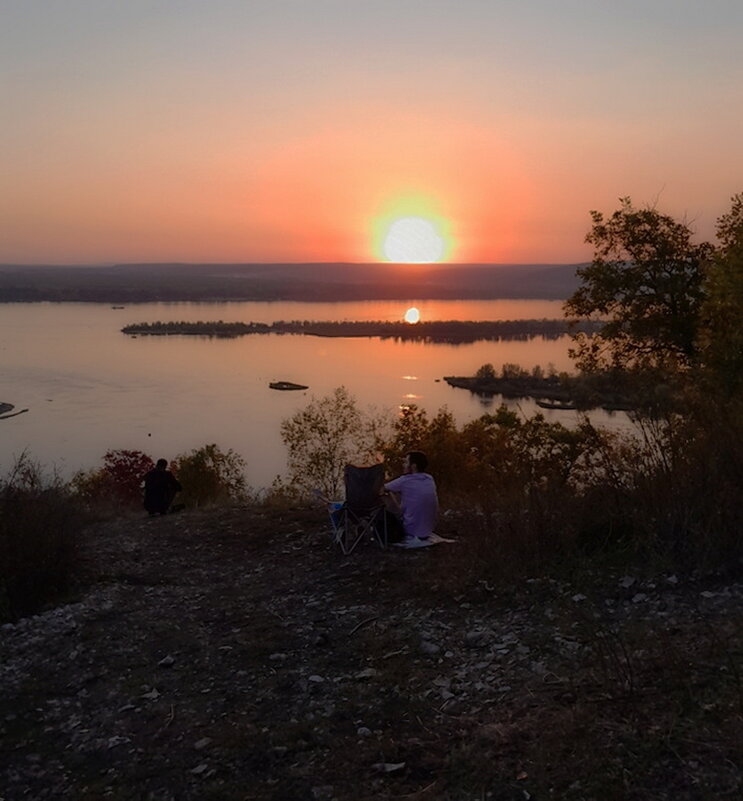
(363, 513)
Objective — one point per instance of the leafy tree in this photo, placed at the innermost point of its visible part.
(645, 281)
(324, 437)
(126, 469)
(209, 475)
(509, 370)
(485, 371)
(721, 318)
(119, 480)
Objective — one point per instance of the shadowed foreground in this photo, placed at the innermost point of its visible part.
(231, 654)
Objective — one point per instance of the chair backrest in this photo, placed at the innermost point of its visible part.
(363, 487)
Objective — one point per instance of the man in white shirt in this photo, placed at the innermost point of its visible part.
(413, 497)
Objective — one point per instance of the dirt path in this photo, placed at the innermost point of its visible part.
(232, 654)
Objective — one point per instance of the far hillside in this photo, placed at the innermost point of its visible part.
(131, 283)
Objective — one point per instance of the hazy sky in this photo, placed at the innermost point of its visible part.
(292, 130)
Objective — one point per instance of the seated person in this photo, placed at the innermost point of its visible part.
(412, 496)
(160, 487)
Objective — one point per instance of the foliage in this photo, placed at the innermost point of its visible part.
(39, 525)
(495, 447)
(509, 370)
(721, 325)
(209, 475)
(645, 282)
(485, 371)
(118, 482)
(534, 489)
(280, 495)
(126, 470)
(329, 433)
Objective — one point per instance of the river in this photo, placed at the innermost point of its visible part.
(89, 388)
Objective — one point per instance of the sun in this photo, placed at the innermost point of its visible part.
(413, 240)
(412, 316)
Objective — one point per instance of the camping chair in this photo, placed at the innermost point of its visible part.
(363, 512)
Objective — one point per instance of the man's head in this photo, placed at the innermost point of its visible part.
(162, 464)
(415, 462)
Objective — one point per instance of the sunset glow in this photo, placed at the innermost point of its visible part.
(412, 315)
(283, 132)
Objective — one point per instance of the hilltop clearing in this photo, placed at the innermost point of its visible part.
(232, 654)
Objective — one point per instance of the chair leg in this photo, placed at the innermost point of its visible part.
(351, 534)
(349, 530)
(381, 536)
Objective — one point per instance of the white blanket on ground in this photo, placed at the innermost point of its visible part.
(434, 539)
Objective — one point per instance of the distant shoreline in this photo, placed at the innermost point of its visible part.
(202, 283)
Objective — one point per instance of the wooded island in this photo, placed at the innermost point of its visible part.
(449, 331)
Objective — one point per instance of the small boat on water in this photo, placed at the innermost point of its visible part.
(6, 411)
(286, 385)
(548, 404)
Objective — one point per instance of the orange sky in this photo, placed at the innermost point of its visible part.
(283, 131)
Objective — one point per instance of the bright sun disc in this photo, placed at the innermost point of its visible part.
(412, 315)
(413, 240)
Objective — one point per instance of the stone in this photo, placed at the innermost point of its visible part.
(367, 673)
(474, 639)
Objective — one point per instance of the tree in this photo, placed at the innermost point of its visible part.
(119, 481)
(210, 475)
(485, 371)
(324, 437)
(645, 281)
(126, 469)
(721, 318)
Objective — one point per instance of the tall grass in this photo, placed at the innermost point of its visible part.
(39, 527)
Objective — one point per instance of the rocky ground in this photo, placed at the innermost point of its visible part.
(233, 654)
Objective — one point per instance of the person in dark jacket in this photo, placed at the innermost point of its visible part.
(160, 487)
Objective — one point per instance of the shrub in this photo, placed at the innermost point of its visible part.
(326, 435)
(117, 483)
(126, 470)
(39, 526)
(529, 490)
(280, 495)
(209, 475)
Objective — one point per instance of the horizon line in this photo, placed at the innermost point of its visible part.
(292, 264)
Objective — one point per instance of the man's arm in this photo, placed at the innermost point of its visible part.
(395, 485)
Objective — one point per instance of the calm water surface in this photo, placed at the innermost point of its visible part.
(89, 388)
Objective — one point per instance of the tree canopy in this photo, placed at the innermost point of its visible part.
(720, 339)
(645, 284)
